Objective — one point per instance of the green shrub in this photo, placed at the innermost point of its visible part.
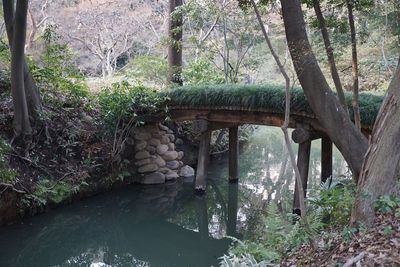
(123, 101)
(279, 236)
(334, 201)
(387, 204)
(7, 175)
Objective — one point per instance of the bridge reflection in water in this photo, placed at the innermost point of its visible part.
(138, 226)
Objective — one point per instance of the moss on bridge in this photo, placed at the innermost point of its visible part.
(261, 97)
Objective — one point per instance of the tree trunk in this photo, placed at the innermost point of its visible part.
(329, 53)
(175, 44)
(32, 93)
(21, 115)
(381, 168)
(354, 66)
(349, 140)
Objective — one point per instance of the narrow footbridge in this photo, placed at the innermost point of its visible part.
(228, 106)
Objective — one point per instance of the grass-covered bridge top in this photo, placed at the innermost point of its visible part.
(260, 98)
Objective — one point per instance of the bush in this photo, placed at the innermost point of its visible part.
(123, 101)
(7, 175)
(334, 201)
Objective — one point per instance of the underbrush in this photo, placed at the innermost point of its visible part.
(281, 235)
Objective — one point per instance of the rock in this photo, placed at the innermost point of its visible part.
(142, 154)
(186, 171)
(142, 162)
(154, 178)
(130, 141)
(164, 139)
(171, 176)
(163, 127)
(171, 137)
(151, 149)
(141, 145)
(170, 131)
(162, 149)
(142, 136)
(170, 155)
(159, 161)
(181, 163)
(171, 146)
(179, 142)
(148, 168)
(154, 142)
(173, 165)
(164, 170)
(181, 154)
(157, 135)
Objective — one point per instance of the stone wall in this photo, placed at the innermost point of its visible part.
(155, 155)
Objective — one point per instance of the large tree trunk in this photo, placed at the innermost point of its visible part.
(354, 65)
(329, 53)
(349, 140)
(381, 168)
(32, 93)
(21, 116)
(175, 44)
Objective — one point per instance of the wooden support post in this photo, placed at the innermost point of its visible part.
(232, 209)
(233, 154)
(202, 162)
(303, 162)
(326, 158)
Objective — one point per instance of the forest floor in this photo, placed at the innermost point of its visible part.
(376, 246)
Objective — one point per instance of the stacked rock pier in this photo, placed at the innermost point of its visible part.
(156, 157)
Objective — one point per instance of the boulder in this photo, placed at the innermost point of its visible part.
(159, 161)
(142, 154)
(164, 170)
(151, 149)
(171, 175)
(179, 142)
(170, 155)
(141, 145)
(164, 139)
(181, 154)
(142, 162)
(163, 127)
(148, 168)
(162, 149)
(171, 146)
(154, 142)
(173, 165)
(186, 171)
(142, 136)
(171, 137)
(154, 178)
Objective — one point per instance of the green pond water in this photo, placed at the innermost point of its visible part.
(165, 225)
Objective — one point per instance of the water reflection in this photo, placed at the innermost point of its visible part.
(163, 225)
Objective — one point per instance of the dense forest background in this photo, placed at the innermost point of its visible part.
(221, 43)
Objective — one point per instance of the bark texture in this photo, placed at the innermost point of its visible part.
(21, 115)
(175, 44)
(31, 91)
(330, 113)
(381, 168)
